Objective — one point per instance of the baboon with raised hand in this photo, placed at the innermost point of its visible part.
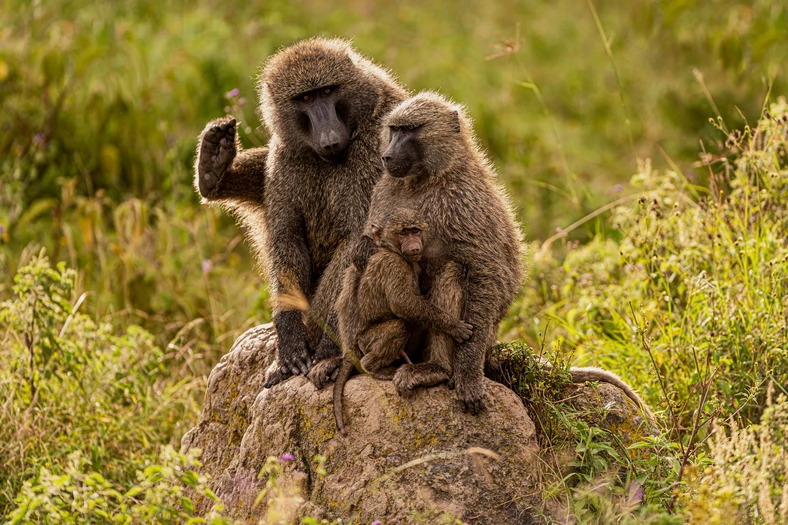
(379, 309)
(304, 198)
(434, 164)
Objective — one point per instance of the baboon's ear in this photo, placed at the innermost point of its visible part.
(376, 231)
(455, 119)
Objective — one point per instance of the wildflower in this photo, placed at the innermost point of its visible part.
(377, 522)
(619, 188)
(242, 101)
(286, 457)
(232, 93)
(207, 265)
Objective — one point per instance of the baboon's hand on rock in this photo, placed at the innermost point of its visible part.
(471, 394)
(462, 332)
(216, 153)
(325, 372)
(293, 354)
(276, 377)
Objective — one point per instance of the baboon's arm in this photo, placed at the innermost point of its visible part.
(406, 303)
(244, 180)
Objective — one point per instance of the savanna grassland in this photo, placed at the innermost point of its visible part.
(644, 144)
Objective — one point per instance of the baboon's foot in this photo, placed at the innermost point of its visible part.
(410, 377)
(216, 153)
(471, 394)
(325, 372)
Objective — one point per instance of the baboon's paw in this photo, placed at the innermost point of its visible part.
(217, 151)
(404, 380)
(325, 372)
(471, 396)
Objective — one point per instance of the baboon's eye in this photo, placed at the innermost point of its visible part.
(395, 128)
(412, 127)
(327, 91)
(305, 97)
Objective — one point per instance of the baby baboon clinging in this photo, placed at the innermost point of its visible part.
(381, 307)
(309, 190)
(434, 164)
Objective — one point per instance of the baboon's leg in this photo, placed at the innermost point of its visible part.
(382, 344)
(446, 293)
(322, 324)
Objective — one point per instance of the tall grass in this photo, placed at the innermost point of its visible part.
(673, 278)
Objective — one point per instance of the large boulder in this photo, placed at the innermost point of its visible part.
(413, 460)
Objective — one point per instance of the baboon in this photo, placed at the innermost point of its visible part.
(434, 165)
(376, 307)
(304, 198)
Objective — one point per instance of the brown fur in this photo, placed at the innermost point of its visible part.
(309, 209)
(378, 309)
(476, 240)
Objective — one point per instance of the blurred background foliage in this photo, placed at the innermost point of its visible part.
(101, 103)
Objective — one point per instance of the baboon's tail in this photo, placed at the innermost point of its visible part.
(339, 388)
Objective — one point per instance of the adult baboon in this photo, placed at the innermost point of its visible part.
(380, 309)
(309, 190)
(434, 164)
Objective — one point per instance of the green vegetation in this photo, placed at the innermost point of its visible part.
(675, 278)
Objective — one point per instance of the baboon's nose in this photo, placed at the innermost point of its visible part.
(330, 141)
(386, 158)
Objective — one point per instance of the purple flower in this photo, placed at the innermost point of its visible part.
(232, 93)
(286, 457)
(39, 139)
(586, 276)
(207, 264)
(377, 522)
(559, 230)
(619, 188)
(242, 101)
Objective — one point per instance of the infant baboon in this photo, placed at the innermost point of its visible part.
(304, 198)
(379, 308)
(434, 164)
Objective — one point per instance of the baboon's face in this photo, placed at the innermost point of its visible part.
(404, 155)
(402, 238)
(322, 117)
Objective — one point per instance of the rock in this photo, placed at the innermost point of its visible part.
(232, 387)
(413, 460)
(410, 460)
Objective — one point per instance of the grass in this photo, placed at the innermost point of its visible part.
(674, 278)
